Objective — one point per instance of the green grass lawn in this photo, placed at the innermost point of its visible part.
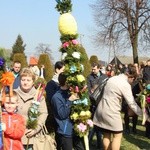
(132, 141)
(136, 141)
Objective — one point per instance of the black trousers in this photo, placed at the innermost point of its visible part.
(127, 121)
(147, 132)
(78, 143)
(63, 143)
(134, 122)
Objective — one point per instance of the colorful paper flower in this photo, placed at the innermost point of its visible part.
(144, 98)
(148, 87)
(65, 45)
(7, 79)
(83, 101)
(74, 42)
(88, 113)
(2, 62)
(76, 55)
(63, 56)
(90, 123)
(148, 99)
(80, 78)
(82, 127)
(74, 116)
(82, 68)
(73, 69)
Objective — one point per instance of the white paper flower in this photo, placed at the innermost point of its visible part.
(63, 56)
(76, 55)
(82, 67)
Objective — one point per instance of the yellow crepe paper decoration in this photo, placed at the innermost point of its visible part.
(67, 24)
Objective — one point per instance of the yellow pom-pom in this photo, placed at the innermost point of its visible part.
(80, 78)
(67, 24)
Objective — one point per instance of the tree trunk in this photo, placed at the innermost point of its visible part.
(134, 43)
(135, 54)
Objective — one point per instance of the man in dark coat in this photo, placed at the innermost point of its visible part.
(146, 73)
(146, 79)
(94, 79)
(51, 88)
(16, 71)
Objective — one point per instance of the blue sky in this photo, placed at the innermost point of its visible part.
(37, 22)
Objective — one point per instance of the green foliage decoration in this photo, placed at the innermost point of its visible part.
(73, 56)
(64, 6)
(85, 62)
(68, 37)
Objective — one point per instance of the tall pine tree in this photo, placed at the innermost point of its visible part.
(18, 47)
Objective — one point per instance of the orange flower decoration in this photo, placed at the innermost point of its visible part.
(7, 79)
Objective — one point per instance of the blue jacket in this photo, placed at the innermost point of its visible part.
(61, 108)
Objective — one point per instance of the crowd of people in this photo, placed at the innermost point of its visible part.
(15, 112)
(120, 95)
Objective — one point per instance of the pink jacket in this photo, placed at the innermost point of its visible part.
(15, 128)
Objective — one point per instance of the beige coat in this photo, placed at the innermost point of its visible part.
(25, 100)
(107, 114)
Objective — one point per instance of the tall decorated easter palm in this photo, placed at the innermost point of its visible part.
(80, 114)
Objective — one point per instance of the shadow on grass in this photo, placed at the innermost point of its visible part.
(136, 141)
(139, 142)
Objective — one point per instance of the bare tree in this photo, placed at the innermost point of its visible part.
(44, 49)
(125, 22)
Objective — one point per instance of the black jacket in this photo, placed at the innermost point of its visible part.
(146, 74)
(93, 79)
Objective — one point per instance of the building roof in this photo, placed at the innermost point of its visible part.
(129, 59)
(33, 61)
(116, 61)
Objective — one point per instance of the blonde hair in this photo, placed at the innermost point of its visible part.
(15, 95)
(27, 72)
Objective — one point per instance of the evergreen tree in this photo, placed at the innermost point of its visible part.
(21, 58)
(93, 59)
(2, 53)
(49, 69)
(18, 47)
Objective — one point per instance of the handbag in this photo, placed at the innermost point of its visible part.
(98, 92)
(44, 141)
